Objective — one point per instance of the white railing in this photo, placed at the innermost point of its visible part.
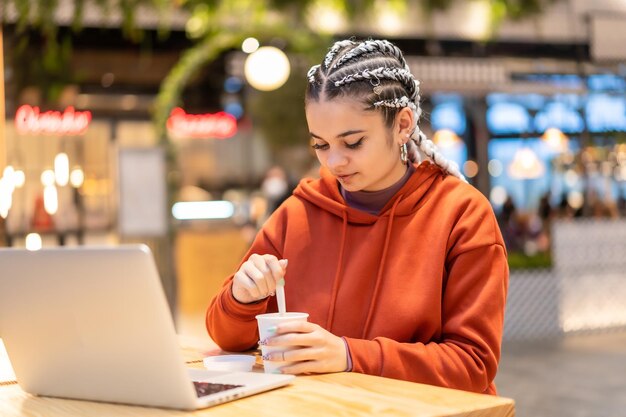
(584, 291)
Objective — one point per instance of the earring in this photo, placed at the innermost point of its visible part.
(404, 154)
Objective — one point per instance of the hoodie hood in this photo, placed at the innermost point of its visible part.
(324, 193)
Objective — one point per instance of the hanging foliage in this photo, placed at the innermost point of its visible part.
(214, 25)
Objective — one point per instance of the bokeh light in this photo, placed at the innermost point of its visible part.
(267, 69)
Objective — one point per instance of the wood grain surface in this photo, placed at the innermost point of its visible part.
(340, 394)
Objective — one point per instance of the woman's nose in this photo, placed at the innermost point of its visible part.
(336, 160)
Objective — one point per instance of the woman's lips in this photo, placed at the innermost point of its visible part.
(345, 177)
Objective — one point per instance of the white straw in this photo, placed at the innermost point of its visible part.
(280, 297)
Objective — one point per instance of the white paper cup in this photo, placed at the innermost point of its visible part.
(267, 321)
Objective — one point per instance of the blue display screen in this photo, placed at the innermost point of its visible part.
(509, 114)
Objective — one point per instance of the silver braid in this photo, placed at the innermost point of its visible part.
(333, 51)
(416, 94)
(371, 46)
(429, 149)
(397, 74)
(311, 74)
(419, 142)
(397, 102)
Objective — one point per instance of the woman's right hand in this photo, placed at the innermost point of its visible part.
(257, 278)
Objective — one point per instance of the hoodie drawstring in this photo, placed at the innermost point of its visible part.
(381, 268)
(333, 298)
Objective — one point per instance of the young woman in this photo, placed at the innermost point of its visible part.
(398, 261)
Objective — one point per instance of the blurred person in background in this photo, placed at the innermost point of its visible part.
(621, 205)
(398, 261)
(4, 236)
(275, 188)
(510, 225)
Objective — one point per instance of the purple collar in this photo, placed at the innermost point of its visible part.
(373, 201)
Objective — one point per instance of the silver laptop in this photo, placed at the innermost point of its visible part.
(93, 324)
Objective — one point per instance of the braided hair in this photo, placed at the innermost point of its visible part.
(376, 71)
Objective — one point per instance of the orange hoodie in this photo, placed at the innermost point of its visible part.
(418, 291)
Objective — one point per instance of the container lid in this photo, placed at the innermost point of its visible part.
(233, 363)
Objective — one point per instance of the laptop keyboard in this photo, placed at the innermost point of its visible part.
(208, 388)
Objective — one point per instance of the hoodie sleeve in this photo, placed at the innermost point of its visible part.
(466, 355)
(231, 324)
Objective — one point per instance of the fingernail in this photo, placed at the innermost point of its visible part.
(281, 282)
(277, 371)
(271, 330)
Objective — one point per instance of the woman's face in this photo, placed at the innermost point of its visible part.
(355, 145)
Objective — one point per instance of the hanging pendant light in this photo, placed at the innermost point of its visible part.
(526, 165)
(61, 169)
(77, 177)
(555, 139)
(446, 138)
(267, 68)
(50, 199)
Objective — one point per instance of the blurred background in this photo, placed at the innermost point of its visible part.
(180, 124)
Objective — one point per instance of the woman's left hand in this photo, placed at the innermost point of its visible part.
(319, 351)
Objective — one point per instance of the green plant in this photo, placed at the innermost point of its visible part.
(283, 107)
(214, 26)
(519, 260)
(211, 24)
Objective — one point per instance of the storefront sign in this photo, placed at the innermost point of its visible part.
(218, 125)
(29, 119)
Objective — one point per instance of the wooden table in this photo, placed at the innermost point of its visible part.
(340, 394)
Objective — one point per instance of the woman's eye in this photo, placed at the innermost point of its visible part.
(355, 144)
(319, 147)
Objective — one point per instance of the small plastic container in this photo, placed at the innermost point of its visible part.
(232, 363)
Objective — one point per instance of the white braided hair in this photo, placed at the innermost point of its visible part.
(333, 51)
(396, 74)
(311, 74)
(369, 47)
(397, 102)
(418, 141)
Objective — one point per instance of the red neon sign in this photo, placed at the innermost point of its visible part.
(218, 125)
(28, 119)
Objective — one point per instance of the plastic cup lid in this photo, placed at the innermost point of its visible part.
(235, 363)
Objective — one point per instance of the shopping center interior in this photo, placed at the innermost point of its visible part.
(535, 116)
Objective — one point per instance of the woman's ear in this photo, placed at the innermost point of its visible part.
(405, 122)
